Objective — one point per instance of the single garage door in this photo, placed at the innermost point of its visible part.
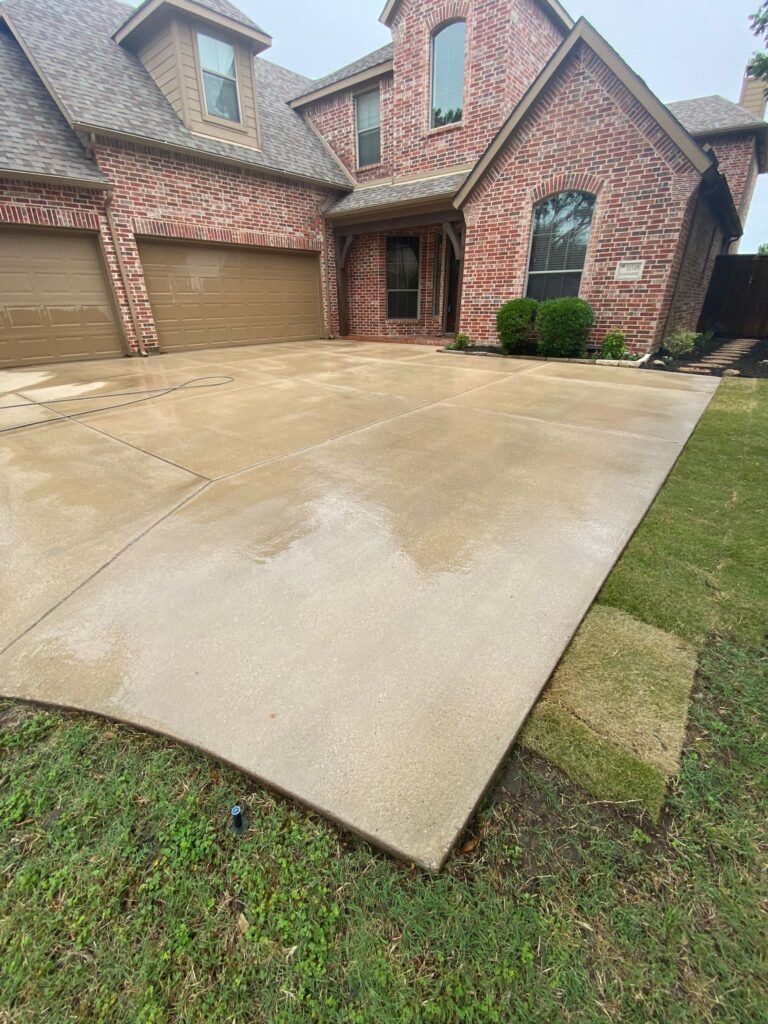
(207, 296)
(54, 299)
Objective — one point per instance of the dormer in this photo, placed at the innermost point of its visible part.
(200, 55)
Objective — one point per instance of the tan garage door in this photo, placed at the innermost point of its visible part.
(209, 296)
(54, 299)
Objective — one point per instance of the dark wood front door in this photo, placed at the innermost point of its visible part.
(453, 276)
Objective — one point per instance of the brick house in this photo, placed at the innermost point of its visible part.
(163, 186)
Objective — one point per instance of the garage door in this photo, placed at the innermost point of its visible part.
(208, 296)
(54, 299)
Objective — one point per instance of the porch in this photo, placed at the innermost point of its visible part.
(398, 269)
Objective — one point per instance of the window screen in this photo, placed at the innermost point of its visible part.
(561, 226)
(448, 74)
(217, 62)
(402, 278)
(368, 115)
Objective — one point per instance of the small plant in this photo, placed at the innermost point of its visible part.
(516, 325)
(614, 346)
(563, 326)
(459, 343)
(681, 343)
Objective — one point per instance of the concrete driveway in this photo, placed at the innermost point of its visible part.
(348, 569)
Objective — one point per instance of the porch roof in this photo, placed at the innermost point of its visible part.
(389, 194)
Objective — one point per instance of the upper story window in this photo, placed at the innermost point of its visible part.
(448, 47)
(368, 120)
(218, 66)
(561, 227)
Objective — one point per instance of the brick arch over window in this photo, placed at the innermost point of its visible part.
(567, 183)
(452, 10)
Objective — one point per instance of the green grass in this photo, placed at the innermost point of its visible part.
(123, 898)
(614, 715)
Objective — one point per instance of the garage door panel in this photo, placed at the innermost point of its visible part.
(208, 296)
(54, 299)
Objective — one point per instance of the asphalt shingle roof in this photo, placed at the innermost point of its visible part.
(372, 197)
(34, 137)
(712, 113)
(218, 6)
(102, 85)
(371, 60)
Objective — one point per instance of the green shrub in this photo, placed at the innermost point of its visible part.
(459, 343)
(614, 346)
(516, 325)
(563, 326)
(681, 343)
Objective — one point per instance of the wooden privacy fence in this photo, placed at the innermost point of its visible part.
(737, 300)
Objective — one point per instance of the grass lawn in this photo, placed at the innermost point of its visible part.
(123, 898)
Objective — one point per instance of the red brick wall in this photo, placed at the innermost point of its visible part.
(367, 277)
(334, 118)
(508, 43)
(157, 193)
(587, 132)
(737, 155)
(702, 240)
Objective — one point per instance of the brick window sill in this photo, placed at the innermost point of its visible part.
(444, 129)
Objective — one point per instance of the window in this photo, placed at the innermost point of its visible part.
(368, 116)
(561, 225)
(448, 74)
(217, 63)
(402, 278)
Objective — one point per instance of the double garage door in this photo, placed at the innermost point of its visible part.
(206, 296)
(56, 304)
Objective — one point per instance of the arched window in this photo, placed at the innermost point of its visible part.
(448, 45)
(561, 226)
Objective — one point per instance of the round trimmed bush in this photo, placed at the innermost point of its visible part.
(614, 345)
(563, 326)
(516, 325)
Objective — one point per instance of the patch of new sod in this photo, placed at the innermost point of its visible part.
(125, 899)
(614, 715)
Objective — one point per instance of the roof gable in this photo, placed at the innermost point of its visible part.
(370, 66)
(102, 87)
(584, 32)
(220, 13)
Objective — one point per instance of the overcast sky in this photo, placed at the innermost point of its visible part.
(682, 48)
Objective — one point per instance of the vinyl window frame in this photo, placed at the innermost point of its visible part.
(356, 97)
(202, 72)
(434, 35)
(387, 290)
(532, 232)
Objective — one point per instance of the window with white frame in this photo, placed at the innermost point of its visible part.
(218, 65)
(368, 121)
(448, 50)
(561, 228)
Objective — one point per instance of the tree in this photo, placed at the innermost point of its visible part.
(759, 21)
(763, 249)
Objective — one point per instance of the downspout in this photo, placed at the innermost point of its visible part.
(115, 238)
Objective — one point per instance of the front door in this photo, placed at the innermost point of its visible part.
(453, 274)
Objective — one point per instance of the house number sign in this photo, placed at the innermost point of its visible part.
(630, 270)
